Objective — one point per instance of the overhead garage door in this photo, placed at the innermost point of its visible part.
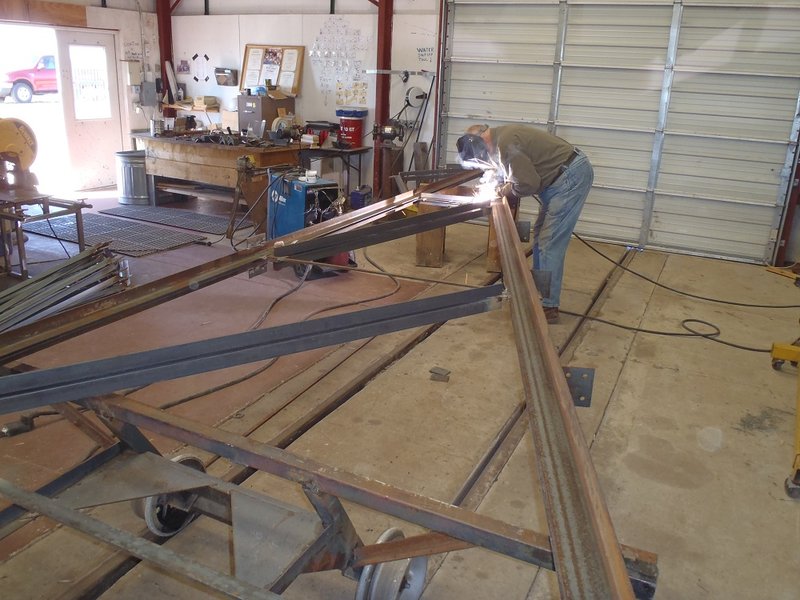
(688, 110)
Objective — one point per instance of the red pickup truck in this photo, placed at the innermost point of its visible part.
(23, 84)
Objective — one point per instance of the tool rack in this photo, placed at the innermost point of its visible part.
(275, 542)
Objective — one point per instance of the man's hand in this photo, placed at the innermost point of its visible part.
(506, 191)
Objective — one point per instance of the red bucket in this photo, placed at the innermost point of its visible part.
(351, 126)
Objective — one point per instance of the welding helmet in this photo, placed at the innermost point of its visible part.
(472, 150)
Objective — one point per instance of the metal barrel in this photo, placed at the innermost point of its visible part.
(132, 178)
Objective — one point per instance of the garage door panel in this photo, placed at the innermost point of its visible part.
(475, 74)
(501, 92)
(732, 126)
(694, 157)
(736, 170)
(744, 150)
(616, 117)
(717, 187)
(596, 80)
(709, 209)
(724, 85)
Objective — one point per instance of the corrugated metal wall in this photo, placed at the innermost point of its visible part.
(688, 110)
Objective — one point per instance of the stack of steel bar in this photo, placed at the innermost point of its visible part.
(88, 276)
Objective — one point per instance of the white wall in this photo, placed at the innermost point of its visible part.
(223, 38)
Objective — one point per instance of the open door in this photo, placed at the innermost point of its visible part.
(90, 98)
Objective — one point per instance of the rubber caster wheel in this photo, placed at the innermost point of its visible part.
(302, 271)
(397, 580)
(777, 364)
(165, 514)
(792, 489)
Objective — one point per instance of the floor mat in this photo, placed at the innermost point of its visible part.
(131, 239)
(177, 217)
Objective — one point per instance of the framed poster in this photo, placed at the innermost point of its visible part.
(281, 66)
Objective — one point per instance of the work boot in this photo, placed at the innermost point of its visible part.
(551, 314)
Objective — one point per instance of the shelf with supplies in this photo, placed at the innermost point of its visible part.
(191, 108)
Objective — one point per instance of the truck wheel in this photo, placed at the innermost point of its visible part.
(22, 92)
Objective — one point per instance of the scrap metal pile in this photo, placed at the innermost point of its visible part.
(93, 274)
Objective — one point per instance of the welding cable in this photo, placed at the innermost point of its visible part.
(261, 320)
(681, 292)
(256, 324)
(424, 111)
(687, 324)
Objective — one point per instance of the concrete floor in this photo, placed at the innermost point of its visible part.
(691, 439)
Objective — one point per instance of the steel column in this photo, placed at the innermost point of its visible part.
(587, 555)
(663, 111)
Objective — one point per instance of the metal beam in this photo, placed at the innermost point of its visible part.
(80, 381)
(139, 547)
(382, 232)
(588, 560)
(66, 325)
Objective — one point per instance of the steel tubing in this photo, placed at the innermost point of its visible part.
(83, 380)
(587, 556)
(28, 339)
(139, 547)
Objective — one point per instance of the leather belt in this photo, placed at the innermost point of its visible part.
(572, 157)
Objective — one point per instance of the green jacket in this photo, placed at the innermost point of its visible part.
(531, 158)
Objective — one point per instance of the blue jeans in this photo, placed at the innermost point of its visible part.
(561, 205)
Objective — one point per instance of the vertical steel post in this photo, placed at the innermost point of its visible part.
(663, 111)
(382, 81)
(558, 67)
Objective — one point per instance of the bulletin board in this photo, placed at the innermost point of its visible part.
(283, 65)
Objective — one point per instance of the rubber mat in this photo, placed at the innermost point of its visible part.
(176, 217)
(131, 239)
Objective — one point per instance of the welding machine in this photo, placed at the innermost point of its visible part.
(295, 203)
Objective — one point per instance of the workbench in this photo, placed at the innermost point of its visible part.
(211, 164)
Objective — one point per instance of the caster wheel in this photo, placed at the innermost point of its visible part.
(792, 489)
(397, 580)
(166, 514)
(777, 364)
(301, 271)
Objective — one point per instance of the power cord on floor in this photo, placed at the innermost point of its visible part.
(681, 292)
(258, 322)
(712, 336)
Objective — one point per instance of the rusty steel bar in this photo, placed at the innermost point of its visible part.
(139, 547)
(462, 524)
(45, 332)
(588, 560)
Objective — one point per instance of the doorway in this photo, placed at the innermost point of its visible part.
(90, 102)
(76, 116)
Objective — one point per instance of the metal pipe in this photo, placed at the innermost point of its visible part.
(587, 555)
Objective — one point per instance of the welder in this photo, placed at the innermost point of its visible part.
(529, 161)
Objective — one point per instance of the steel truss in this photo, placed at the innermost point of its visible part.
(582, 547)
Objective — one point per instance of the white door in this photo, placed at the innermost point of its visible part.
(90, 98)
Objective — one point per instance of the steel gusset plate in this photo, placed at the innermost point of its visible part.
(587, 555)
(67, 324)
(93, 378)
(383, 232)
